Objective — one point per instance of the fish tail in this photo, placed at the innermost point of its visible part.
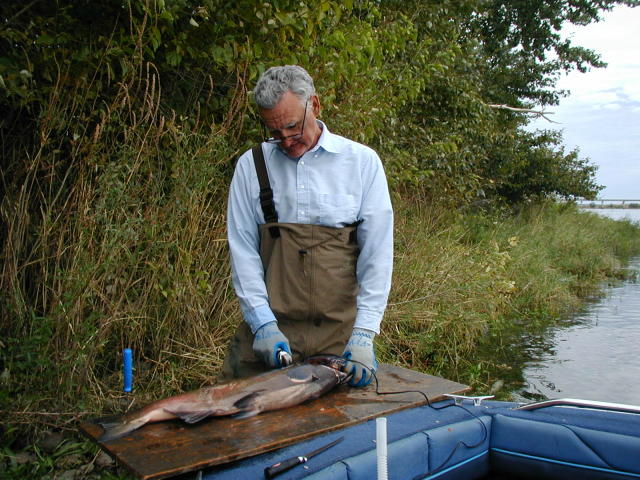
(117, 427)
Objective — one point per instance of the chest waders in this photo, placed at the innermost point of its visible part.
(310, 273)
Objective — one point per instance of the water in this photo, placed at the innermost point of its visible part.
(632, 214)
(594, 355)
(591, 355)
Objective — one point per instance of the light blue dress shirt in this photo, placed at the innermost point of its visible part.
(336, 183)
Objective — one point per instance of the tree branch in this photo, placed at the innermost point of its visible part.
(538, 113)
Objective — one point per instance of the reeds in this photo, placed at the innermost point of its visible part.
(115, 237)
(459, 276)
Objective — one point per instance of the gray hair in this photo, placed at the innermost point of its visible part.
(277, 81)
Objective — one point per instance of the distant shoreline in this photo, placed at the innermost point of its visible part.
(629, 206)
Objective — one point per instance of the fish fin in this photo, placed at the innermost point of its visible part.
(248, 405)
(109, 419)
(247, 414)
(301, 376)
(247, 402)
(115, 428)
(190, 416)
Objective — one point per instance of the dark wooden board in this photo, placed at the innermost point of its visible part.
(166, 449)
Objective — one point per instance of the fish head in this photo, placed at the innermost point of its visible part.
(342, 376)
(334, 362)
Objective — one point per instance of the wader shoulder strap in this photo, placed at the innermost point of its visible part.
(266, 194)
(353, 236)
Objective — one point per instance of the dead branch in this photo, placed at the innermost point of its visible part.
(537, 113)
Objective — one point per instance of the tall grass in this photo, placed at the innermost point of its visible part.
(115, 238)
(459, 276)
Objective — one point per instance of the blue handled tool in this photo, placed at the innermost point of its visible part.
(127, 369)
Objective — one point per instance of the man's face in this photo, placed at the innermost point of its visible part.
(287, 118)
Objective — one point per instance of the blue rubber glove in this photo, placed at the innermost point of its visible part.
(267, 342)
(359, 348)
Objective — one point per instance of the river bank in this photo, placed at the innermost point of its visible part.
(459, 277)
(587, 354)
(459, 280)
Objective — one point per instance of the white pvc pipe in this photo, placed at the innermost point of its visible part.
(381, 447)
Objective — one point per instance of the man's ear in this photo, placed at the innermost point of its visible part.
(315, 105)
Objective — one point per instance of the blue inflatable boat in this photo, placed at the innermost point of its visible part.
(470, 438)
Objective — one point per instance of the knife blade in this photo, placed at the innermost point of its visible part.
(278, 468)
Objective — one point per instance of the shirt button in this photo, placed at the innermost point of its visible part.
(301, 186)
(301, 212)
(301, 163)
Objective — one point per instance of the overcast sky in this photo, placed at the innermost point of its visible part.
(602, 115)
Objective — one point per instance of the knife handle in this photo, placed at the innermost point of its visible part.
(278, 468)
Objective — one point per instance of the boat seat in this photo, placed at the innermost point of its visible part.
(439, 452)
(550, 444)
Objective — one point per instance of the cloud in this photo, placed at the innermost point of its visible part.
(602, 114)
(618, 43)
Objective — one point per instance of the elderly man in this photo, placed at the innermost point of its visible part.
(310, 229)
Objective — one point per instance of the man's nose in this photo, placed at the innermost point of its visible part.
(287, 142)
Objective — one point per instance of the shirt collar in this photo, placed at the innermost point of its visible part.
(328, 141)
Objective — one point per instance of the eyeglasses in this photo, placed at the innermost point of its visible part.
(295, 136)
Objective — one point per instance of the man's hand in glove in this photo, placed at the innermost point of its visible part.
(361, 359)
(267, 343)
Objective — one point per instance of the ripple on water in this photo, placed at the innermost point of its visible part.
(595, 358)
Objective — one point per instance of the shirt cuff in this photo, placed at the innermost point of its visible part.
(369, 320)
(259, 316)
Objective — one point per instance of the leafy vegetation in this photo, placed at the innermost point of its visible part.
(120, 126)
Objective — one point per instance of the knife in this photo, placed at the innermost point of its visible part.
(284, 358)
(278, 468)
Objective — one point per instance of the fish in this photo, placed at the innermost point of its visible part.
(243, 398)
